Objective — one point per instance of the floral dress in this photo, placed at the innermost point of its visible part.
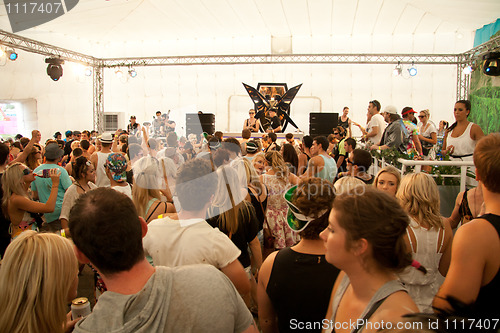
(277, 210)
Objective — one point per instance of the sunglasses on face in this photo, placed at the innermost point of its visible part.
(27, 171)
(336, 133)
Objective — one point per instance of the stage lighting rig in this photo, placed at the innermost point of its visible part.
(491, 65)
(11, 54)
(54, 69)
(412, 70)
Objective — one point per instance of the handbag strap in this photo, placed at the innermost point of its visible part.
(154, 209)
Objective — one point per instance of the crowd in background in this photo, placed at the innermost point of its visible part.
(298, 231)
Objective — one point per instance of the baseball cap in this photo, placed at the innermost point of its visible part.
(407, 110)
(390, 109)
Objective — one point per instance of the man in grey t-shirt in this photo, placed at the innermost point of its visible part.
(108, 234)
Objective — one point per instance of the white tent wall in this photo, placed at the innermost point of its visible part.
(62, 105)
(217, 89)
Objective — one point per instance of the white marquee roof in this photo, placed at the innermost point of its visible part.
(93, 25)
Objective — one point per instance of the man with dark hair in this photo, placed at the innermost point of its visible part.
(133, 128)
(41, 187)
(271, 141)
(358, 163)
(219, 135)
(395, 134)
(107, 233)
(275, 125)
(190, 239)
(376, 125)
(321, 164)
(350, 145)
(305, 153)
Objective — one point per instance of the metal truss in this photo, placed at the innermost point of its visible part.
(480, 50)
(33, 46)
(98, 96)
(432, 59)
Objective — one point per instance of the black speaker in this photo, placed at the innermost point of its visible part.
(322, 123)
(199, 123)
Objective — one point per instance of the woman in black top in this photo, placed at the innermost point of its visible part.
(295, 283)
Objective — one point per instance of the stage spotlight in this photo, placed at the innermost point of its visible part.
(468, 70)
(397, 70)
(119, 73)
(12, 55)
(412, 70)
(132, 72)
(491, 64)
(88, 71)
(54, 69)
(2, 52)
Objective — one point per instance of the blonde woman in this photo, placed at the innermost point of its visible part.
(236, 217)
(38, 278)
(278, 179)
(148, 181)
(388, 179)
(428, 132)
(17, 204)
(257, 192)
(429, 237)
(259, 163)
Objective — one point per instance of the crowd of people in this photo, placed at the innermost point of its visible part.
(207, 233)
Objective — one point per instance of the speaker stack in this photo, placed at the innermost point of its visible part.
(322, 123)
(199, 123)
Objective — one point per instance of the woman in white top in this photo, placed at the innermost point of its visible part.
(428, 133)
(429, 237)
(462, 135)
(84, 175)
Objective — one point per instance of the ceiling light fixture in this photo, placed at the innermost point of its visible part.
(54, 69)
(132, 72)
(88, 71)
(468, 70)
(412, 70)
(398, 69)
(12, 55)
(119, 73)
(491, 65)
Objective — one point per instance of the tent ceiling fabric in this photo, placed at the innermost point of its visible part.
(101, 22)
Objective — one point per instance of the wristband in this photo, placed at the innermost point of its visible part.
(63, 233)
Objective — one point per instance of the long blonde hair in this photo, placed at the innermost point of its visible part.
(253, 179)
(228, 214)
(277, 163)
(36, 276)
(147, 183)
(12, 184)
(419, 197)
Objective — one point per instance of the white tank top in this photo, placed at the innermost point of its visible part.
(101, 180)
(463, 144)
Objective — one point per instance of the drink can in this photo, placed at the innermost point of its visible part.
(80, 307)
